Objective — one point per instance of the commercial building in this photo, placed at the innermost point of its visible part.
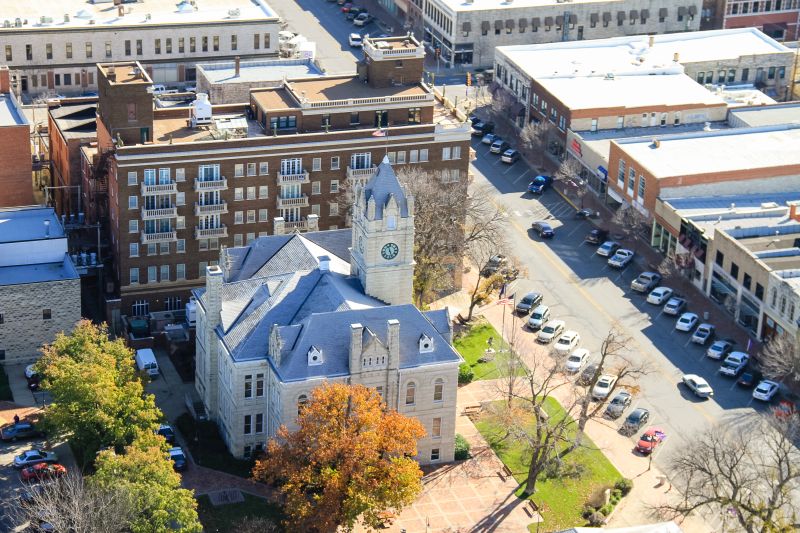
(287, 313)
(776, 18)
(40, 289)
(52, 47)
(467, 32)
(185, 181)
(15, 151)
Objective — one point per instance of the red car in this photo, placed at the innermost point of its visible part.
(650, 440)
(42, 471)
(346, 7)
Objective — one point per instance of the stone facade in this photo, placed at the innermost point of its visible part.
(23, 307)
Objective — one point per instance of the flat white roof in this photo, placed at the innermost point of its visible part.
(257, 71)
(10, 114)
(621, 55)
(629, 91)
(716, 151)
(767, 115)
(105, 14)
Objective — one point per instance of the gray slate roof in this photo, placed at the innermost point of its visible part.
(383, 185)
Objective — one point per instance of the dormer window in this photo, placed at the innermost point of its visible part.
(314, 356)
(425, 344)
(391, 222)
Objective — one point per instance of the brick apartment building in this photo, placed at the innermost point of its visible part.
(185, 182)
(776, 18)
(15, 149)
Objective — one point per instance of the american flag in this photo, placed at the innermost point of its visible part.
(379, 133)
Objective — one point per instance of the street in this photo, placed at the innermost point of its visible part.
(590, 296)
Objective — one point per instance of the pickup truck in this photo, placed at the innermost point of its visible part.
(540, 184)
(646, 282)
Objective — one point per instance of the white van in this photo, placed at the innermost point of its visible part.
(146, 362)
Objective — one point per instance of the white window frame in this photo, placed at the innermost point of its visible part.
(133, 276)
(335, 162)
(263, 191)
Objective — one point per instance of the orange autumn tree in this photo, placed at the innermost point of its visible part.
(350, 459)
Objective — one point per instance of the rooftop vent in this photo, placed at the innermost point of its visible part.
(17, 22)
(45, 20)
(83, 14)
(656, 143)
(233, 13)
(768, 205)
(707, 126)
(6, 23)
(66, 17)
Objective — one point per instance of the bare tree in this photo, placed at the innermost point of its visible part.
(502, 103)
(69, 503)
(747, 469)
(779, 358)
(569, 172)
(631, 222)
(533, 140)
(482, 255)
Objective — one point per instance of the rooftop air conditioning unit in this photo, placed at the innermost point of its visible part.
(6, 23)
(234, 12)
(17, 22)
(66, 17)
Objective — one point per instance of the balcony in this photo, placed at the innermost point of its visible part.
(301, 201)
(361, 173)
(161, 212)
(164, 236)
(160, 188)
(291, 227)
(211, 209)
(289, 179)
(220, 184)
(208, 233)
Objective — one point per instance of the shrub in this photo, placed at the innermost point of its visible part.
(596, 519)
(624, 486)
(606, 509)
(616, 493)
(465, 373)
(462, 448)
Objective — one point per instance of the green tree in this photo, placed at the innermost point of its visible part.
(98, 397)
(145, 472)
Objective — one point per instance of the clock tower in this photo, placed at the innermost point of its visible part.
(382, 253)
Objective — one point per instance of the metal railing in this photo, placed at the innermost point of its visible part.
(286, 179)
(210, 209)
(220, 184)
(161, 212)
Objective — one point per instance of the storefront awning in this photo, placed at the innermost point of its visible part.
(613, 194)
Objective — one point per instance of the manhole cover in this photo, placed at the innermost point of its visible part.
(225, 497)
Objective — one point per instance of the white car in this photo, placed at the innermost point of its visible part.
(703, 334)
(687, 322)
(719, 349)
(621, 258)
(698, 385)
(567, 342)
(34, 456)
(550, 331)
(734, 364)
(356, 41)
(577, 360)
(603, 386)
(29, 371)
(539, 317)
(659, 295)
(765, 390)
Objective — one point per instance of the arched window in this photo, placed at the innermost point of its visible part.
(301, 402)
(438, 390)
(411, 393)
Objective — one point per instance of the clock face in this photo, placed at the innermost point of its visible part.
(389, 251)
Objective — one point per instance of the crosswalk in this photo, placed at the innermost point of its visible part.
(541, 212)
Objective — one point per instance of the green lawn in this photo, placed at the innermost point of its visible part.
(208, 449)
(560, 501)
(227, 517)
(472, 347)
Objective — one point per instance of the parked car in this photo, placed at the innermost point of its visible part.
(166, 431)
(585, 213)
(659, 295)
(646, 282)
(540, 184)
(568, 341)
(596, 236)
(649, 440)
(489, 138)
(618, 404)
(577, 360)
(749, 379)
(356, 41)
(495, 263)
(719, 349)
(20, 430)
(734, 364)
(539, 316)
(510, 156)
(603, 386)
(766, 390)
(674, 306)
(499, 146)
(608, 248)
(29, 371)
(687, 322)
(638, 417)
(697, 385)
(482, 128)
(42, 471)
(621, 258)
(550, 331)
(362, 19)
(588, 374)
(703, 334)
(179, 462)
(528, 302)
(543, 229)
(34, 456)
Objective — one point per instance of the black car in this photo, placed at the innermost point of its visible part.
(635, 420)
(528, 302)
(749, 379)
(179, 462)
(588, 373)
(20, 430)
(585, 213)
(597, 236)
(482, 128)
(618, 404)
(165, 430)
(543, 229)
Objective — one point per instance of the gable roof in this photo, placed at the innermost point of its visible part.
(383, 186)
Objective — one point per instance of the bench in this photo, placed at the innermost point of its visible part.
(531, 509)
(472, 410)
(505, 473)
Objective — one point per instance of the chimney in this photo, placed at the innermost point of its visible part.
(393, 342)
(47, 228)
(793, 214)
(652, 41)
(356, 332)
(213, 296)
(676, 57)
(5, 80)
(324, 263)
(237, 63)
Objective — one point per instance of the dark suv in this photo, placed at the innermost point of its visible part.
(20, 430)
(597, 236)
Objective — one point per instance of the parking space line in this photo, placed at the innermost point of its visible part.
(522, 175)
(509, 169)
(573, 231)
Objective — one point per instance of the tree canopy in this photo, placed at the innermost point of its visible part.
(349, 459)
